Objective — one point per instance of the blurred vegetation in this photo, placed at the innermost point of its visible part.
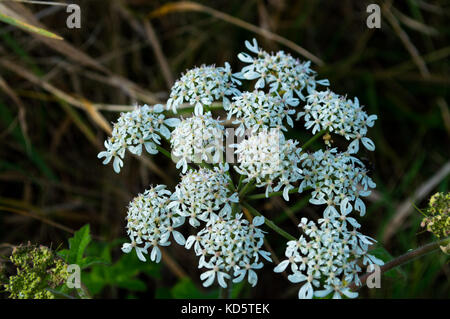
(58, 98)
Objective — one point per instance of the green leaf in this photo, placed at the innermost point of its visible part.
(122, 273)
(92, 260)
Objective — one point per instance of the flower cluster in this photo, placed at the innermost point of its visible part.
(327, 110)
(197, 139)
(270, 160)
(330, 252)
(203, 194)
(280, 71)
(334, 176)
(133, 131)
(202, 86)
(438, 215)
(229, 247)
(256, 110)
(150, 222)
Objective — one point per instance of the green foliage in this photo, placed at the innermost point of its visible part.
(37, 270)
(77, 246)
(103, 272)
(186, 288)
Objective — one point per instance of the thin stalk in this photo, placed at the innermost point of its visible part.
(405, 258)
(246, 189)
(274, 194)
(167, 154)
(268, 222)
(83, 293)
(241, 179)
(183, 109)
(222, 293)
(163, 151)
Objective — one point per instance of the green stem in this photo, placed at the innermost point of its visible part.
(313, 139)
(248, 186)
(274, 194)
(163, 151)
(241, 178)
(83, 293)
(167, 154)
(290, 211)
(222, 293)
(269, 223)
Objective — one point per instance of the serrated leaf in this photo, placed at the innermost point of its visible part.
(121, 273)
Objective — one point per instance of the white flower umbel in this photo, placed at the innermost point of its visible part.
(229, 248)
(329, 252)
(135, 130)
(202, 86)
(330, 111)
(270, 160)
(203, 194)
(197, 139)
(333, 176)
(150, 223)
(279, 72)
(255, 110)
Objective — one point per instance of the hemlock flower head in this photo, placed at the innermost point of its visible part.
(334, 176)
(196, 139)
(256, 110)
(151, 223)
(327, 110)
(279, 72)
(204, 194)
(229, 248)
(202, 86)
(134, 131)
(329, 251)
(270, 160)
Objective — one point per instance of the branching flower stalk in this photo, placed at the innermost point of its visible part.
(325, 259)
